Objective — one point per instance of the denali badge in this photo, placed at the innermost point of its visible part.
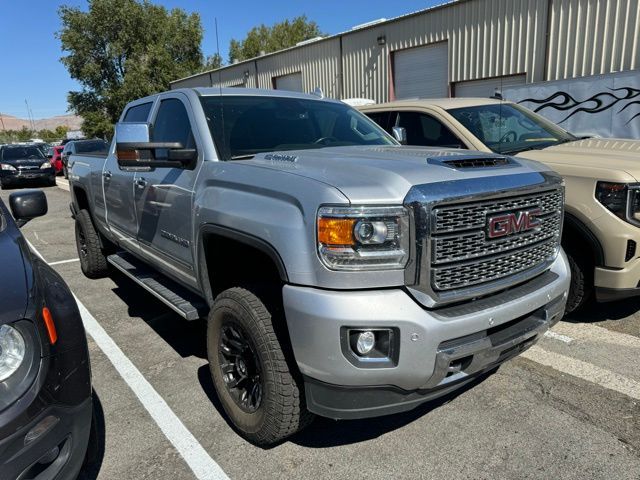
(509, 223)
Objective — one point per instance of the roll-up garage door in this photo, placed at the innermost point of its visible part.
(487, 87)
(421, 72)
(291, 82)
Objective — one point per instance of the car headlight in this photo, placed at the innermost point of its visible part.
(45, 165)
(7, 167)
(621, 199)
(12, 351)
(363, 238)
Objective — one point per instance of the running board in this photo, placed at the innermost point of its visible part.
(185, 303)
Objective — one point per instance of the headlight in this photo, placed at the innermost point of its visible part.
(45, 165)
(621, 199)
(12, 351)
(363, 238)
(7, 167)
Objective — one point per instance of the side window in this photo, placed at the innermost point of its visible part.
(381, 118)
(425, 130)
(172, 125)
(138, 113)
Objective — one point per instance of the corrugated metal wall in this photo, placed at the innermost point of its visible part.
(590, 37)
(486, 38)
(318, 62)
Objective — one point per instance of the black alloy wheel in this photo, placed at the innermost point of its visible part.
(240, 367)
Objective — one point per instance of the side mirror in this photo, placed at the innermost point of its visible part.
(400, 134)
(27, 205)
(134, 148)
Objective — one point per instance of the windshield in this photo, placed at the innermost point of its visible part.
(92, 146)
(242, 126)
(20, 153)
(510, 128)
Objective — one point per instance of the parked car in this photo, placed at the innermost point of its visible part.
(45, 380)
(92, 146)
(55, 157)
(342, 274)
(602, 216)
(24, 163)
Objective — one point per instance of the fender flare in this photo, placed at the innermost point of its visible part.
(596, 247)
(238, 236)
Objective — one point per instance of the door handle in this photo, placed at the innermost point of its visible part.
(107, 175)
(141, 183)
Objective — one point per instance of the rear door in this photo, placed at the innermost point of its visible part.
(118, 188)
(164, 196)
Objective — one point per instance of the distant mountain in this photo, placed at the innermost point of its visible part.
(14, 123)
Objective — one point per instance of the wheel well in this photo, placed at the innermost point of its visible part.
(82, 200)
(578, 240)
(231, 262)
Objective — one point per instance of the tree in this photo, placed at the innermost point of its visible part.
(270, 39)
(120, 50)
(213, 61)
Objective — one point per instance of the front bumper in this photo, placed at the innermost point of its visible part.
(439, 350)
(27, 175)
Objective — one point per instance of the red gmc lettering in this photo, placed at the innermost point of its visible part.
(509, 223)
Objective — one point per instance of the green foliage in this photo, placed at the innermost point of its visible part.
(213, 61)
(24, 134)
(270, 39)
(120, 50)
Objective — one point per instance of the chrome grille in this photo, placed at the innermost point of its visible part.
(467, 217)
(463, 256)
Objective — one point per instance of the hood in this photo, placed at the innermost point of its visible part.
(383, 174)
(609, 154)
(13, 283)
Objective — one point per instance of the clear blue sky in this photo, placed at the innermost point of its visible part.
(30, 52)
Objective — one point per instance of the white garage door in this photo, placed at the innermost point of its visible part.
(291, 82)
(421, 72)
(487, 88)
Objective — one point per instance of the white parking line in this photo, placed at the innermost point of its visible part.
(62, 183)
(558, 336)
(71, 260)
(194, 454)
(586, 371)
(594, 333)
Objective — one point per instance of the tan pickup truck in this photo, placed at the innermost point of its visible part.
(602, 219)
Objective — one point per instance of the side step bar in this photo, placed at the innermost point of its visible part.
(185, 303)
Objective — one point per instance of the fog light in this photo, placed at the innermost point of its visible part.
(366, 342)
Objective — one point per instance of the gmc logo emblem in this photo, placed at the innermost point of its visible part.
(510, 223)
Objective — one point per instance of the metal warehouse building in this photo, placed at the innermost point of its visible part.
(461, 48)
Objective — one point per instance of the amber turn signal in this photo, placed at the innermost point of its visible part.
(336, 231)
(128, 155)
(51, 327)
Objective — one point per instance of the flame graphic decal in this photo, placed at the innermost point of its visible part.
(599, 102)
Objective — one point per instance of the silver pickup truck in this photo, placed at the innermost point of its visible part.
(342, 274)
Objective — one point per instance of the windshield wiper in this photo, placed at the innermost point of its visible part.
(243, 157)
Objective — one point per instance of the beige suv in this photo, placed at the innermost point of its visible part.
(602, 219)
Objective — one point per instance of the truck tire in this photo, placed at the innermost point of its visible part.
(93, 261)
(580, 287)
(254, 382)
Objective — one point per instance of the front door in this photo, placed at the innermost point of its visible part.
(164, 196)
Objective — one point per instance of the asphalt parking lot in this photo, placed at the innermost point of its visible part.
(570, 408)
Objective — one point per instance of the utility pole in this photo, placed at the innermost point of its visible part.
(30, 117)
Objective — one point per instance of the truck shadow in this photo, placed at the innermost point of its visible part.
(187, 338)
(326, 433)
(594, 312)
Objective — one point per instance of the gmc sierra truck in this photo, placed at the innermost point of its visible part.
(602, 217)
(341, 273)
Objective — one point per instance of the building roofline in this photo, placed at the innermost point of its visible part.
(446, 4)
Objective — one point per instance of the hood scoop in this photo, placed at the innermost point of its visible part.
(467, 162)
